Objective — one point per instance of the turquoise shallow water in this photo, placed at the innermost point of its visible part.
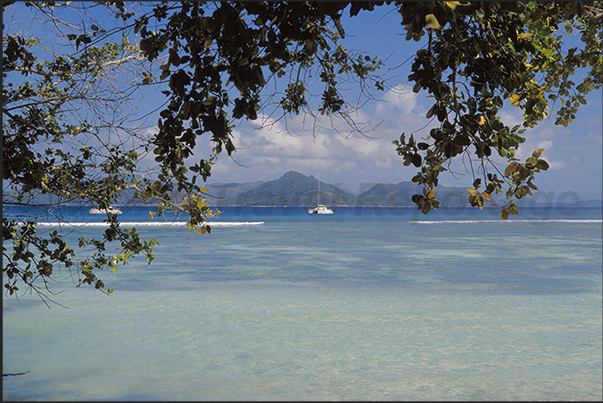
(367, 304)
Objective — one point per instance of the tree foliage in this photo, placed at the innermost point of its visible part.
(69, 119)
(63, 136)
(221, 58)
(69, 116)
(481, 56)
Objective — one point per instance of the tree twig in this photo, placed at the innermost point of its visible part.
(17, 374)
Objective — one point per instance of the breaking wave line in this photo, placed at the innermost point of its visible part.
(506, 221)
(149, 224)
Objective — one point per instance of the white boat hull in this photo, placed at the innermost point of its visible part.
(111, 210)
(320, 210)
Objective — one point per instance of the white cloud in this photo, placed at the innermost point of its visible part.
(400, 98)
(328, 148)
(557, 165)
(545, 144)
(543, 136)
(511, 117)
(264, 152)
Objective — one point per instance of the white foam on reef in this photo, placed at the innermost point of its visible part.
(505, 221)
(148, 224)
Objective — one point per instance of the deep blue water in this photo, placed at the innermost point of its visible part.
(366, 304)
(235, 214)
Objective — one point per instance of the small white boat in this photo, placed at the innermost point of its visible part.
(110, 210)
(320, 208)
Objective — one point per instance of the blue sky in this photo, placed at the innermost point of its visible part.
(354, 161)
(574, 153)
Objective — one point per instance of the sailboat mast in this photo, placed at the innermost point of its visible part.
(318, 194)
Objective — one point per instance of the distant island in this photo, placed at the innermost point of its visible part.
(295, 189)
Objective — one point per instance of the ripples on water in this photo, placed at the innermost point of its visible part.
(349, 307)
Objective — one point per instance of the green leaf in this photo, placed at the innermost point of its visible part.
(416, 160)
(432, 22)
(542, 165)
(538, 153)
(504, 213)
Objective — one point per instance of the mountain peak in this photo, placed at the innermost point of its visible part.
(293, 175)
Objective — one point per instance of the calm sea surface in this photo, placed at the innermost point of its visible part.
(366, 304)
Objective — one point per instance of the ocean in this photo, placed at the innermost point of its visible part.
(366, 304)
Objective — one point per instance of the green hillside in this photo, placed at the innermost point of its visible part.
(294, 189)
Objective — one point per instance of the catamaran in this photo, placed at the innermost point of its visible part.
(320, 208)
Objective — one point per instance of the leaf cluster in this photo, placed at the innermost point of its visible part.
(67, 132)
(481, 55)
(220, 56)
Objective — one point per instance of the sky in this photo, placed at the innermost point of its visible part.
(266, 149)
(265, 153)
